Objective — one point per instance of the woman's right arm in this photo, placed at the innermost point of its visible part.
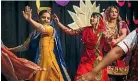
(27, 13)
(66, 29)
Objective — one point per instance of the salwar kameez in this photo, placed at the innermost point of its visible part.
(47, 59)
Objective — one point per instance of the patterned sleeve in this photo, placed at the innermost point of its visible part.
(74, 32)
(124, 24)
(129, 42)
(22, 47)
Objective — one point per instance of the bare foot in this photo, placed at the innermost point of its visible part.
(90, 76)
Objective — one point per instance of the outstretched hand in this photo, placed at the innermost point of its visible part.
(27, 13)
(55, 17)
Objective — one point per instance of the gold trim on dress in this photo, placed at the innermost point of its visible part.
(114, 70)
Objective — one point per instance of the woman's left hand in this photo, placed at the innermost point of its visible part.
(55, 17)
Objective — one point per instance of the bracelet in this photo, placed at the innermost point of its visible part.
(66, 30)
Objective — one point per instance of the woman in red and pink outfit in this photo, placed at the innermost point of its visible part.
(116, 30)
(92, 39)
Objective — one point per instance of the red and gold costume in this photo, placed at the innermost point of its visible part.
(92, 53)
(93, 41)
(119, 67)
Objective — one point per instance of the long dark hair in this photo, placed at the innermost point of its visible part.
(97, 14)
(100, 23)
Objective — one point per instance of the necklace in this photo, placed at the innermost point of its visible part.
(112, 31)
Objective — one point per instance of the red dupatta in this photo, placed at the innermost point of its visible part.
(15, 68)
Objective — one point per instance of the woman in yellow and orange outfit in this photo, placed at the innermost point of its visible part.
(40, 44)
(47, 59)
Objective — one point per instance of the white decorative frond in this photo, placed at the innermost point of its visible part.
(73, 26)
(83, 19)
(88, 17)
(78, 10)
(76, 19)
(97, 9)
(94, 7)
(82, 6)
(88, 4)
(82, 14)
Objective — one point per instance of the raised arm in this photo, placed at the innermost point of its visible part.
(66, 29)
(27, 13)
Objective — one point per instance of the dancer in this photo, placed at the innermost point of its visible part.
(42, 42)
(116, 30)
(92, 39)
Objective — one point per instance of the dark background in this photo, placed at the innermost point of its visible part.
(15, 29)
